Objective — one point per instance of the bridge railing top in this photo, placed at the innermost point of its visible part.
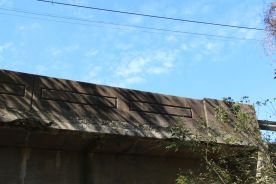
(102, 109)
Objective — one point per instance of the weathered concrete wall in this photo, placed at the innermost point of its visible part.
(67, 132)
(78, 106)
(108, 169)
(39, 166)
(42, 166)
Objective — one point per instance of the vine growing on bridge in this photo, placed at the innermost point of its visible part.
(221, 164)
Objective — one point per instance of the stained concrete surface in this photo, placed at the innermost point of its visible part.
(42, 166)
(55, 131)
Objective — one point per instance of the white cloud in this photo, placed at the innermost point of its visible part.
(40, 69)
(6, 2)
(210, 46)
(135, 20)
(63, 50)
(124, 46)
(80, 12)
(5, 46)
(245, 14)
(191, 9)
(171, 38)
(152, 63)
(29, 27)
(56, 52)
(184, 46)
(133, 80)
(91, 53)
(136, 68)
(213, 48)
(93, 74)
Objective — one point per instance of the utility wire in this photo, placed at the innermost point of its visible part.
(82, 24)
(151, 16)
(121, 25)
(116, 28)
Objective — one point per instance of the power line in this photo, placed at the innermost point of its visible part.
(121, 25)
(76, 23)
(117, 28)
(151, 16)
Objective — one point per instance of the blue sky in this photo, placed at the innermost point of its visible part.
(176, 64)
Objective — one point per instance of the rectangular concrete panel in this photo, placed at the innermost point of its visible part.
(70, 101)
(161, 109)
(16, 90)
(78, 98)
(12, 89)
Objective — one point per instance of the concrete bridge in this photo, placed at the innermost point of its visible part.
(66, 132)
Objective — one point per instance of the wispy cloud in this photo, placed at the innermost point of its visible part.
(132, 67)
(6, 2)
(203, 48)
(3, 49)
(80, 12)
(245, 14)
(93, 74)
(136, 68)
(92, 52)
(151, 63)
(134, 20)
(5, 46)
(63, 50)
(124, 46)
(133, 80)
(34, 26)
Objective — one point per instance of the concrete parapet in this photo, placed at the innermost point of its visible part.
(61, 131)
(79, 106)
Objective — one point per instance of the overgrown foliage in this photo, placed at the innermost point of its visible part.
(218, 164)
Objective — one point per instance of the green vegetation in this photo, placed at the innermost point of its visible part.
(219, 165)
